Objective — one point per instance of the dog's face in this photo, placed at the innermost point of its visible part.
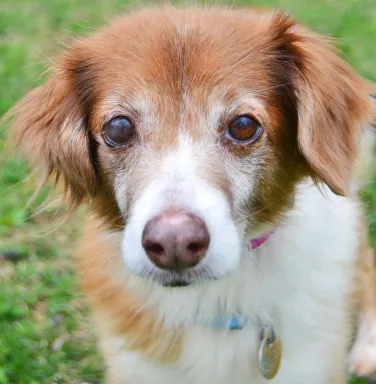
(190, 129)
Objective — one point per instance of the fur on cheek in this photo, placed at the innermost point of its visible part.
(122, 315)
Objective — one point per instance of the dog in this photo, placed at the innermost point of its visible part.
(218, 152)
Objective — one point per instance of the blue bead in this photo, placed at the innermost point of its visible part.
(229, 323)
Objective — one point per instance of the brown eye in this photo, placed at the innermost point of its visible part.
(244, 129)
(118, 131)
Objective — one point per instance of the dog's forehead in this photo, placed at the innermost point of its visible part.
(175, 53)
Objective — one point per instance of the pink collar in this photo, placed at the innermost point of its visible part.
(258, 241)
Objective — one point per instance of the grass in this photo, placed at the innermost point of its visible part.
(44, 335)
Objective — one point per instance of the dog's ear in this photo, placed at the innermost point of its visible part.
(332, 102)
(50, 125)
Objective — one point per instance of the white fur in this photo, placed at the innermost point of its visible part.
(299, 281)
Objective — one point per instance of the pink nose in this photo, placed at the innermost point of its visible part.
(175, 240)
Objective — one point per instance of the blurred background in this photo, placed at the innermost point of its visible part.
(44, 335)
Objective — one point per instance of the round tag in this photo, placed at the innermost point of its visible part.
(269, 354)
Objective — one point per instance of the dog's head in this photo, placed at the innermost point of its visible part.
(191, 129)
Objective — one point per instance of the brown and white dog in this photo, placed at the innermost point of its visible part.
(216, 150)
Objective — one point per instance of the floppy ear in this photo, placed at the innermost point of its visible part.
(50, 125)
(332, 104)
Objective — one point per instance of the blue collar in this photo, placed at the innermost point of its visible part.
(229, 323)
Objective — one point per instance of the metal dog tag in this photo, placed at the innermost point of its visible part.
(269, 353)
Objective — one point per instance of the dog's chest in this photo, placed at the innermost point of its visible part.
(310, 332)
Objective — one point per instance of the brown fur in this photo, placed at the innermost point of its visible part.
(367, 290)
(313, 106)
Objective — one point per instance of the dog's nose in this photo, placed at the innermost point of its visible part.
(175, 240)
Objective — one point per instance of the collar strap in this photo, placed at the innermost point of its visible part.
(258, 241)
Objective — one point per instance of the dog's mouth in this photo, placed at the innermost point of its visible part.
(181, 279)
(177, 284)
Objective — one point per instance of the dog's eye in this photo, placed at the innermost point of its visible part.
(118, 131)
(244, 129)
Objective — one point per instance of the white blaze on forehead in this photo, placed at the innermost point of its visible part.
(178, 184)
(181, 163)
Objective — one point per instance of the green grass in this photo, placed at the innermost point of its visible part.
(44, 335)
